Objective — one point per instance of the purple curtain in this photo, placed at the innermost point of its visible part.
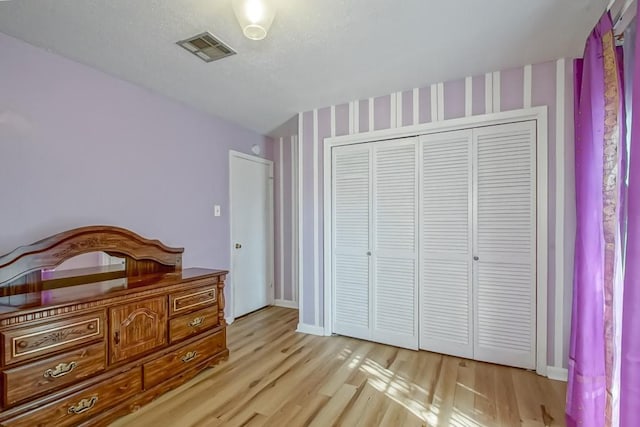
(591, 398)
(630, 360)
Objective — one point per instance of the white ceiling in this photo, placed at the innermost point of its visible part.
(318, 52)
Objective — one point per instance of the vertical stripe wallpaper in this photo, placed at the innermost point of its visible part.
(548, 83)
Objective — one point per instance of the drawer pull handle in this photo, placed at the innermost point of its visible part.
(83, 406)
(196, 322)
(189, 356)
(60, 370)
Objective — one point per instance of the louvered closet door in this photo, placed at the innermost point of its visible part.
(395, 293)
(445, 244)
(351, 190)
(505, 244)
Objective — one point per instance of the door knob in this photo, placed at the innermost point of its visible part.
(475, 258)
(238, 246)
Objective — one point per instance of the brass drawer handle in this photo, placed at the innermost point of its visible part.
(60, 370)
(196, 322)
(189, 356)
(83, 406)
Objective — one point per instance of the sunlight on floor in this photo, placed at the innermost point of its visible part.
(413, 397)
(344, 354)
(460, 419)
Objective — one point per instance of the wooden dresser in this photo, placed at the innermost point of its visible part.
(86, 346)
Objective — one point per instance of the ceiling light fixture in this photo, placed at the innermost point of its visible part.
(255, 17)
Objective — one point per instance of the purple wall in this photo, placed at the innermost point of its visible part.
(79, 147)
(512, 87)
(286, 214)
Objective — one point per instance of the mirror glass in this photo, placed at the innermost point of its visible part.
(88, 260)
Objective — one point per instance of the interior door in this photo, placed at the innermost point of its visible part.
(446, 299)
(251, 233)
(505, 244)
(351, 204)
(395, 243)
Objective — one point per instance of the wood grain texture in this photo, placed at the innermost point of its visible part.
(52, 251)
(82, 405)
(192, 323)
(182, 359)
(134, 404)
(193, 299)
(277, 377)
(73, 348)
(137, 328)
(36, 341)
(34, 379)
(42, 305)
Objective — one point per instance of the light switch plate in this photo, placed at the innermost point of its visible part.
(216, 210)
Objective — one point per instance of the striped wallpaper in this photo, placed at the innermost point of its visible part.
(549, 83)
(286, 221)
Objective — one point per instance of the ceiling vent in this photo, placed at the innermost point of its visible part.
(206, 47)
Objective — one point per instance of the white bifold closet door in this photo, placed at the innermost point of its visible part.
(395, 243)
(446, 299)
(505, 244)
(478, 244)
(375, 208)
(456, 210)
(351, 204)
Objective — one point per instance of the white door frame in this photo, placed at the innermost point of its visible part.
(270, 252)
(539, 114)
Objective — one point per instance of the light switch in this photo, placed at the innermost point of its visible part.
(216, 210)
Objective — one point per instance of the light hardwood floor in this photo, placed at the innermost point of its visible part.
(277, 377)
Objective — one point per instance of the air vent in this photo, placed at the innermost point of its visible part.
(206, 47)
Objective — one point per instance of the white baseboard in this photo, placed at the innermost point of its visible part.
(285, 303)
(310, 329)
(230, 319)
(555, 373)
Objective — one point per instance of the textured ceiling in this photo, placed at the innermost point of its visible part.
(317, 53)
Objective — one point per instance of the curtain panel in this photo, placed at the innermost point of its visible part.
(592, 396)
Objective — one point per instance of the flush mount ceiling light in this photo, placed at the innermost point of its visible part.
(255, 17)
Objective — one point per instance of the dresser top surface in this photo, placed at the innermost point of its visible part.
(63, 294)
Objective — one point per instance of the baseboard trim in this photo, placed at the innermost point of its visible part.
(555, 373)
(230, 319)
(310, 329)
(285, 303)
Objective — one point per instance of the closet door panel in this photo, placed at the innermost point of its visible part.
(395, 243)
(351, 181)
(445, 284)
(505, 244)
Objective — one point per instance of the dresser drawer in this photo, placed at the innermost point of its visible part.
(79, 406)
(36, 378)
(193, 299)
(30, 343)
(182, 359)
(190, 324)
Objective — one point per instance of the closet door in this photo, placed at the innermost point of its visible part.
(395, 212)
(351, 204)
(505, 244)
(445, 244)
(445, 291)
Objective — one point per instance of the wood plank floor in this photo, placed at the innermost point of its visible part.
(277, 377)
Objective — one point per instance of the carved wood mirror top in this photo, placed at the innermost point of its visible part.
(23, 266)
